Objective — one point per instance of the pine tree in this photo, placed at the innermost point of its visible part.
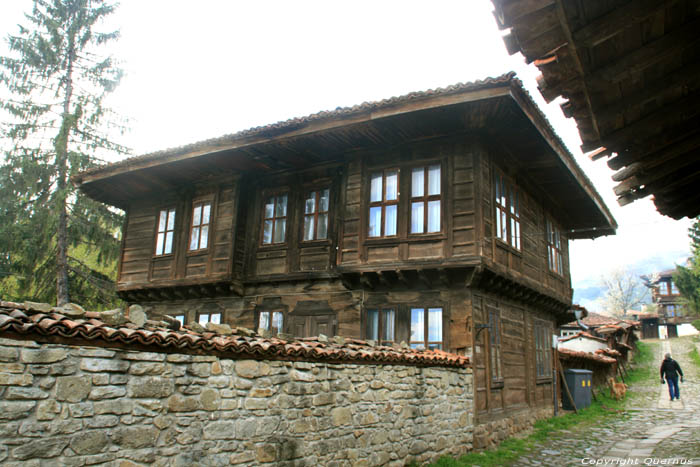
(55, 243)
(687, 279)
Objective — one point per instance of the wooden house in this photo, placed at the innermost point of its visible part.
(440, 219)
(664, 293)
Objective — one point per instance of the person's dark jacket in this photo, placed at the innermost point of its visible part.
(670, 369)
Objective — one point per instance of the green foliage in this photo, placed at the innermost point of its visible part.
(696, 324)
(55, 243)
(695, 356)
(687, 279)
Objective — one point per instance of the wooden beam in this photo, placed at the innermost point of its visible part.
(402, 277)
(618, 20)
(383, 279)
(423, 276)
(600, 153)
(366, 281)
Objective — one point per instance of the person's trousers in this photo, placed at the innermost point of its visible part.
(673, 390)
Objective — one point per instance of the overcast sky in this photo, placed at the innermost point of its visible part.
(196, 70)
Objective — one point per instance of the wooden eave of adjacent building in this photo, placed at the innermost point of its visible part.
(630, 74)
(497, 108)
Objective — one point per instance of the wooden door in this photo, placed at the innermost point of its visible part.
(312, 325)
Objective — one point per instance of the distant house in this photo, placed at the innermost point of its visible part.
(439, 219)
(649, 323)
(665, 294)
(583, 342)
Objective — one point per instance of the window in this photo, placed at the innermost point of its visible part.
(543, 355)
(495, 347)
(554, 255)
(663, 288)
(316, 215)
(674, 289)
(271, 321)
(507, 211)
(180, 318)
(166, 232)
(425, 199)
(381, 324)
(275, 219)
(426, 328)
(383, 203)
(205, 318)
(199, 233)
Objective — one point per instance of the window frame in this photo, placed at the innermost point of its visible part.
(275, 219)
(555, 256)
(271, 318)
(200, 202)
(426, 342)
(425, 199)
(316, 214)
(543, 351)
(383, 203)
(381, 323)
(174, 230)
(495, 350)
(200, 314)
(508, 211)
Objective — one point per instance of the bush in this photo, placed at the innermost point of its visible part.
(696, 324)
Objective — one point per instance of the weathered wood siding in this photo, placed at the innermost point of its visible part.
(140, 267)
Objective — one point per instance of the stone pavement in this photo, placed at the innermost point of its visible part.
(651, 430)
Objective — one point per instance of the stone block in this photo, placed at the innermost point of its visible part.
(99, 365)
(114, 317)
(150, 387)
(47, 410)
(66, 426)
(63, 368)
(220, 430)
(100, 379)
(91, 442)
(178, 358)
(135, 437)
(83, 409)
(13, 379)
(107, 392)
(137, 315)
(72, 310)
(50, 447)
(8, 354)
(178, 403)
(113, 406)
(73, 388)
(118, 378)
(23, 393)
(201, 370)
(94, 352)
(34, 429)
(210, 399)
(247, 368)
(341, 416)
(302, 376)
(146, 368)
(146, 356)
(43, 355)
(102, 421)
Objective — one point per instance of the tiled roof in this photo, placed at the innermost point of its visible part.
(609, 352)
(339, 112)
(596, 320)
(584, 335)
(568, 354)
(42, 323)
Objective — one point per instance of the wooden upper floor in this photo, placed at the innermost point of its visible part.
(432, 183)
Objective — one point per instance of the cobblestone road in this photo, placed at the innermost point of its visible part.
(650, 431)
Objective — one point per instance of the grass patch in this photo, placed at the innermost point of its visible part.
(695, 356)
(605, 408)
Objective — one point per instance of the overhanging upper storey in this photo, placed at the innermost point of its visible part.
(494, 107)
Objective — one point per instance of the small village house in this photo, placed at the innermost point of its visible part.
(439, 219)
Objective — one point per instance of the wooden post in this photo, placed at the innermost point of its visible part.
(566, 388)
(620, 373)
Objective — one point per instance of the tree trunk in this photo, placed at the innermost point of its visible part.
(61, 145)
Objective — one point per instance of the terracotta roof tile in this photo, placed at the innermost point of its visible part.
(24, 321)
(584, 335)
(568, 354)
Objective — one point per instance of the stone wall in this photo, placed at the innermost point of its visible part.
(490, 433)
(64, 405)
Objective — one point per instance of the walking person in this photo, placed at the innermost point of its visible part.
(671, 369)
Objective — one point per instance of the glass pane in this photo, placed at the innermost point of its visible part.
(180, 318)
(310, 203)
(171, 220)
(203, 319)
(308, 227)
(197, 215)
(162, 221)
(375, 221)
(435, 324)
(264, 321)
(216, 318)
(281, 208)
(498, 223)
(515, 235)
(497, 186)
(417, 325)
(417, 210)
(434, 346)
(270, 208)
(504, 226)
(390, 225)
(159, 244)
(433, 216)
(280, 226)
(324, 201)
(392, 185)
(322, 226)
(168, 243)
(388, 334)
(206, 210)
(267, 232)
(376, 187)
(512, 199)
(373, 324)
(204, 239)
(418, 182)
(194, 238)
(434, 180)
(277, 321)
